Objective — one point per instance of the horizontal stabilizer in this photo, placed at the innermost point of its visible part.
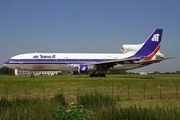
(155, 61)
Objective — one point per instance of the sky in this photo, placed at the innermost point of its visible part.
(88, 26)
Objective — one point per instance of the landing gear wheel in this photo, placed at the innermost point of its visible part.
(92, 75)
(103, 75)
(97, 75)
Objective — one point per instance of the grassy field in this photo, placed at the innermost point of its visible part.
(147, 90)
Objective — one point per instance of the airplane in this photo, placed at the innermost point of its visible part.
(133, 56)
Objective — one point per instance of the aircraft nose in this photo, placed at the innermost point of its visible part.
(5, 64)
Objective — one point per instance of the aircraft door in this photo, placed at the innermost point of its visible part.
(67, 60)
(20, 60)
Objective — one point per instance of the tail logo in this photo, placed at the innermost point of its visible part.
(155, 38)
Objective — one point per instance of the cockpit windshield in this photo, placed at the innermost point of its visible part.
(11, 59)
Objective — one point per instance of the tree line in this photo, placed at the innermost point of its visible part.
(6, 71)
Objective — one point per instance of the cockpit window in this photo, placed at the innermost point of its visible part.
(11, 59)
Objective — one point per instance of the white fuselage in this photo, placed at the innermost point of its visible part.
(64, 61)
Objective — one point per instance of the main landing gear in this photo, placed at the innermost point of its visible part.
(97, 75)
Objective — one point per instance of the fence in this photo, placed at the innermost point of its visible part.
(119, 93)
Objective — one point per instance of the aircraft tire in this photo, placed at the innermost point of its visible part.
(92, 75)
(103, 75)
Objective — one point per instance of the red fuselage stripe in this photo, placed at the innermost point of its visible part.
(152, 54)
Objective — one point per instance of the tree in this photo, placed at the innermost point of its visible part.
(177, 72)
(6, 71)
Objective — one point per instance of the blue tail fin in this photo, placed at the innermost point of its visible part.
(151, 46)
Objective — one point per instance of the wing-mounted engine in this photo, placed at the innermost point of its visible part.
(128, 48)
(84, 69)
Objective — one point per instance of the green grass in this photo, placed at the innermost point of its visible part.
(123, 87)
(139, 113)
(104, 107)
(25, 95)
(95, 101)
(83, 81)
(29, 108)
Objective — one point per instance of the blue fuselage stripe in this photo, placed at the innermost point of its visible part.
(55, 61)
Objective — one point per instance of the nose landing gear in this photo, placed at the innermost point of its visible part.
(32, 75)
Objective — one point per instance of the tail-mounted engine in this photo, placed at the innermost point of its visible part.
(127, 48)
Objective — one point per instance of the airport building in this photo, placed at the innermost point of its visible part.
(25, 72)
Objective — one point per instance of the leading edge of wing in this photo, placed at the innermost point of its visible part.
(118, 61)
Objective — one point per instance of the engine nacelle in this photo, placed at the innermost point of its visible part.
(83, 69)
(127, 48)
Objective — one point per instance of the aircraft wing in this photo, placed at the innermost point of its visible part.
(155, 61)
(115, 62)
